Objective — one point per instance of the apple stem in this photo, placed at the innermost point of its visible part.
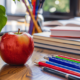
(18, 30)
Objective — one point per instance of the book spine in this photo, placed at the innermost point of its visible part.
(57, 48)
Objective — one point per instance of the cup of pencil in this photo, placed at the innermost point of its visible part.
(33, 7)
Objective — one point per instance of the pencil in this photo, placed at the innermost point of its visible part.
(59, 73)
(58, 68)
(63, 62)
(62, 66)
(64, 58)
(69, 58)
(32, 17)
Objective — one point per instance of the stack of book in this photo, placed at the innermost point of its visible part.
(64, 44)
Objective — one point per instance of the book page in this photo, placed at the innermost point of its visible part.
(52, 23)
(69, 22)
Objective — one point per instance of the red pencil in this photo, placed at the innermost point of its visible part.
(69, 58)
(58, 68)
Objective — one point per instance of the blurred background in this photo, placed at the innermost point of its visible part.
(52, 9)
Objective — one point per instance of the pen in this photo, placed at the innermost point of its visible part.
(66, 63)
(59, 73)
(62, 66)
(64, 58)
(58, 68)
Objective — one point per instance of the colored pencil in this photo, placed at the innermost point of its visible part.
(59, 73)
(62, 66)
(69, 58)
(32, 17)
(34, 6)
(66, 63)
(64, 58)
(58, 68)
(31, 27)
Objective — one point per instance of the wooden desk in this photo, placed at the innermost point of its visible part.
(30, 71)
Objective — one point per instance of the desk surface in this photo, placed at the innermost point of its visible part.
(30, 71)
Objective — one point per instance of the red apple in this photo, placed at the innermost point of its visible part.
(16, 48)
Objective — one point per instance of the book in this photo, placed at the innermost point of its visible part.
(69, 45)
(69, 22)
(51, 47)
(46, 36)
(57, 44)
(65, 31)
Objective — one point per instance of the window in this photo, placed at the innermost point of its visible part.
(57, 6)
(2, 2)
(13, 8)
(59, 9)
(53, 9)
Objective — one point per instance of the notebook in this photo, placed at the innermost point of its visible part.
(46, 36)
(65, 31)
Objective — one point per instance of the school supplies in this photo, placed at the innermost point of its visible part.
(69, 58)
(59, 73)
(64, 58)
(62, 66)
(27, 4)
(65, 31)
(63, 62)
(58, 68)
(43, 40)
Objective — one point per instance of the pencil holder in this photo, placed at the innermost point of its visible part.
(33, 21)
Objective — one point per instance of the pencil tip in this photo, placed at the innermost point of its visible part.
(36, 62)
(54, 55)
(42, 68)
(46, 58)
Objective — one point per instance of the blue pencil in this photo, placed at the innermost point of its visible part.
(59, 61)
(68, 61)
(62, 66)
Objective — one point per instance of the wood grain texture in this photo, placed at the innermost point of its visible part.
(30, 71)
(15, 72)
